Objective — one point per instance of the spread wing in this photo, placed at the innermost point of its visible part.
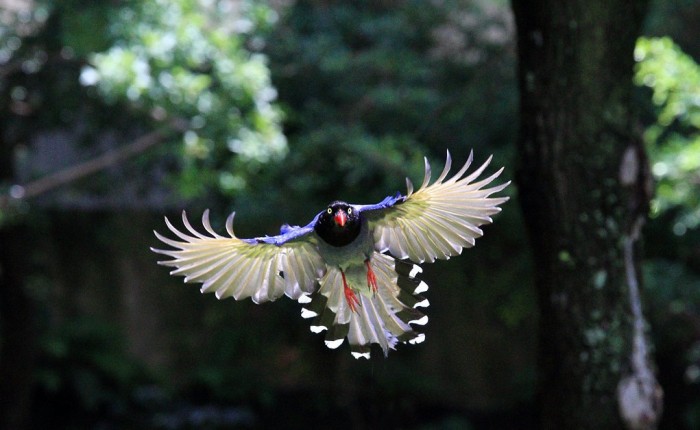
(261, 268)
(438, 220)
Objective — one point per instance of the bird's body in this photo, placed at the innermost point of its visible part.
(353, 257)
(349, 266)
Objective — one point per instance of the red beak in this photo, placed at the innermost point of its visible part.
(340, 218)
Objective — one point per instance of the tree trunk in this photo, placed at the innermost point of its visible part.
(583, 186)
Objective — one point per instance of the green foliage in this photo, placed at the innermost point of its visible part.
(370, 88)
(405, 68)
(674, 139)
(190, 59)
(670, 275)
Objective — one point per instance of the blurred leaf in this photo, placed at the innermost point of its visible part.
(674, 140)
(188, 59)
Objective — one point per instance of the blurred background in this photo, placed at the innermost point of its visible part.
(116, 113)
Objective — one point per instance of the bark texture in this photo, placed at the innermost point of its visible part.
(584, 192)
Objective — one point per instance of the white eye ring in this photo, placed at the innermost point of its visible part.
(349, 211)
(329, 210)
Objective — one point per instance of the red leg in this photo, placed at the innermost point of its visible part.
(350, 296)
(371, 278)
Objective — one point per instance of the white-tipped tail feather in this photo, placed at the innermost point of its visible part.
(384, 318)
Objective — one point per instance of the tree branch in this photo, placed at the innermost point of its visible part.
(81, 170)
(639, 394)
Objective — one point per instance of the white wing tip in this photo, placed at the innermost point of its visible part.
(409, 187)
(229, 224)
(428, 174)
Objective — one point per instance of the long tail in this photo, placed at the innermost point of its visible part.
(386, 317)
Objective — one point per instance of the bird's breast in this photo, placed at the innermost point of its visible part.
(353, 254)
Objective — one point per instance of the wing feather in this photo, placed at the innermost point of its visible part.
(263, 269)
(207, 225)
(440, 219)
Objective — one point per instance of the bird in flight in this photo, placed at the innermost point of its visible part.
(353, 267)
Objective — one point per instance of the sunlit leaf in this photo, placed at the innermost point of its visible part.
(186, 59)
(674, 140)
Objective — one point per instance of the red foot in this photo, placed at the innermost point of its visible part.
(350, 296)
(371, 278)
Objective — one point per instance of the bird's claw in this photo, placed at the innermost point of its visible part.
(352, 299)
(350, 296)
(371, 277)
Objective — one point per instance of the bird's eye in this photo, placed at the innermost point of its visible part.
(329, 210)
(349, 211)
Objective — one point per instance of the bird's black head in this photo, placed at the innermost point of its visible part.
(339, 224)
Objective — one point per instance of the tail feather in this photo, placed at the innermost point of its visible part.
(336, 335)
(360, 351)
(367, 328)
(386, 317)
(324, 319)
(318, 310)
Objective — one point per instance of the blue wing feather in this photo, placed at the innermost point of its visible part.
(388, 202)
(291, 232)
(287, 234)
